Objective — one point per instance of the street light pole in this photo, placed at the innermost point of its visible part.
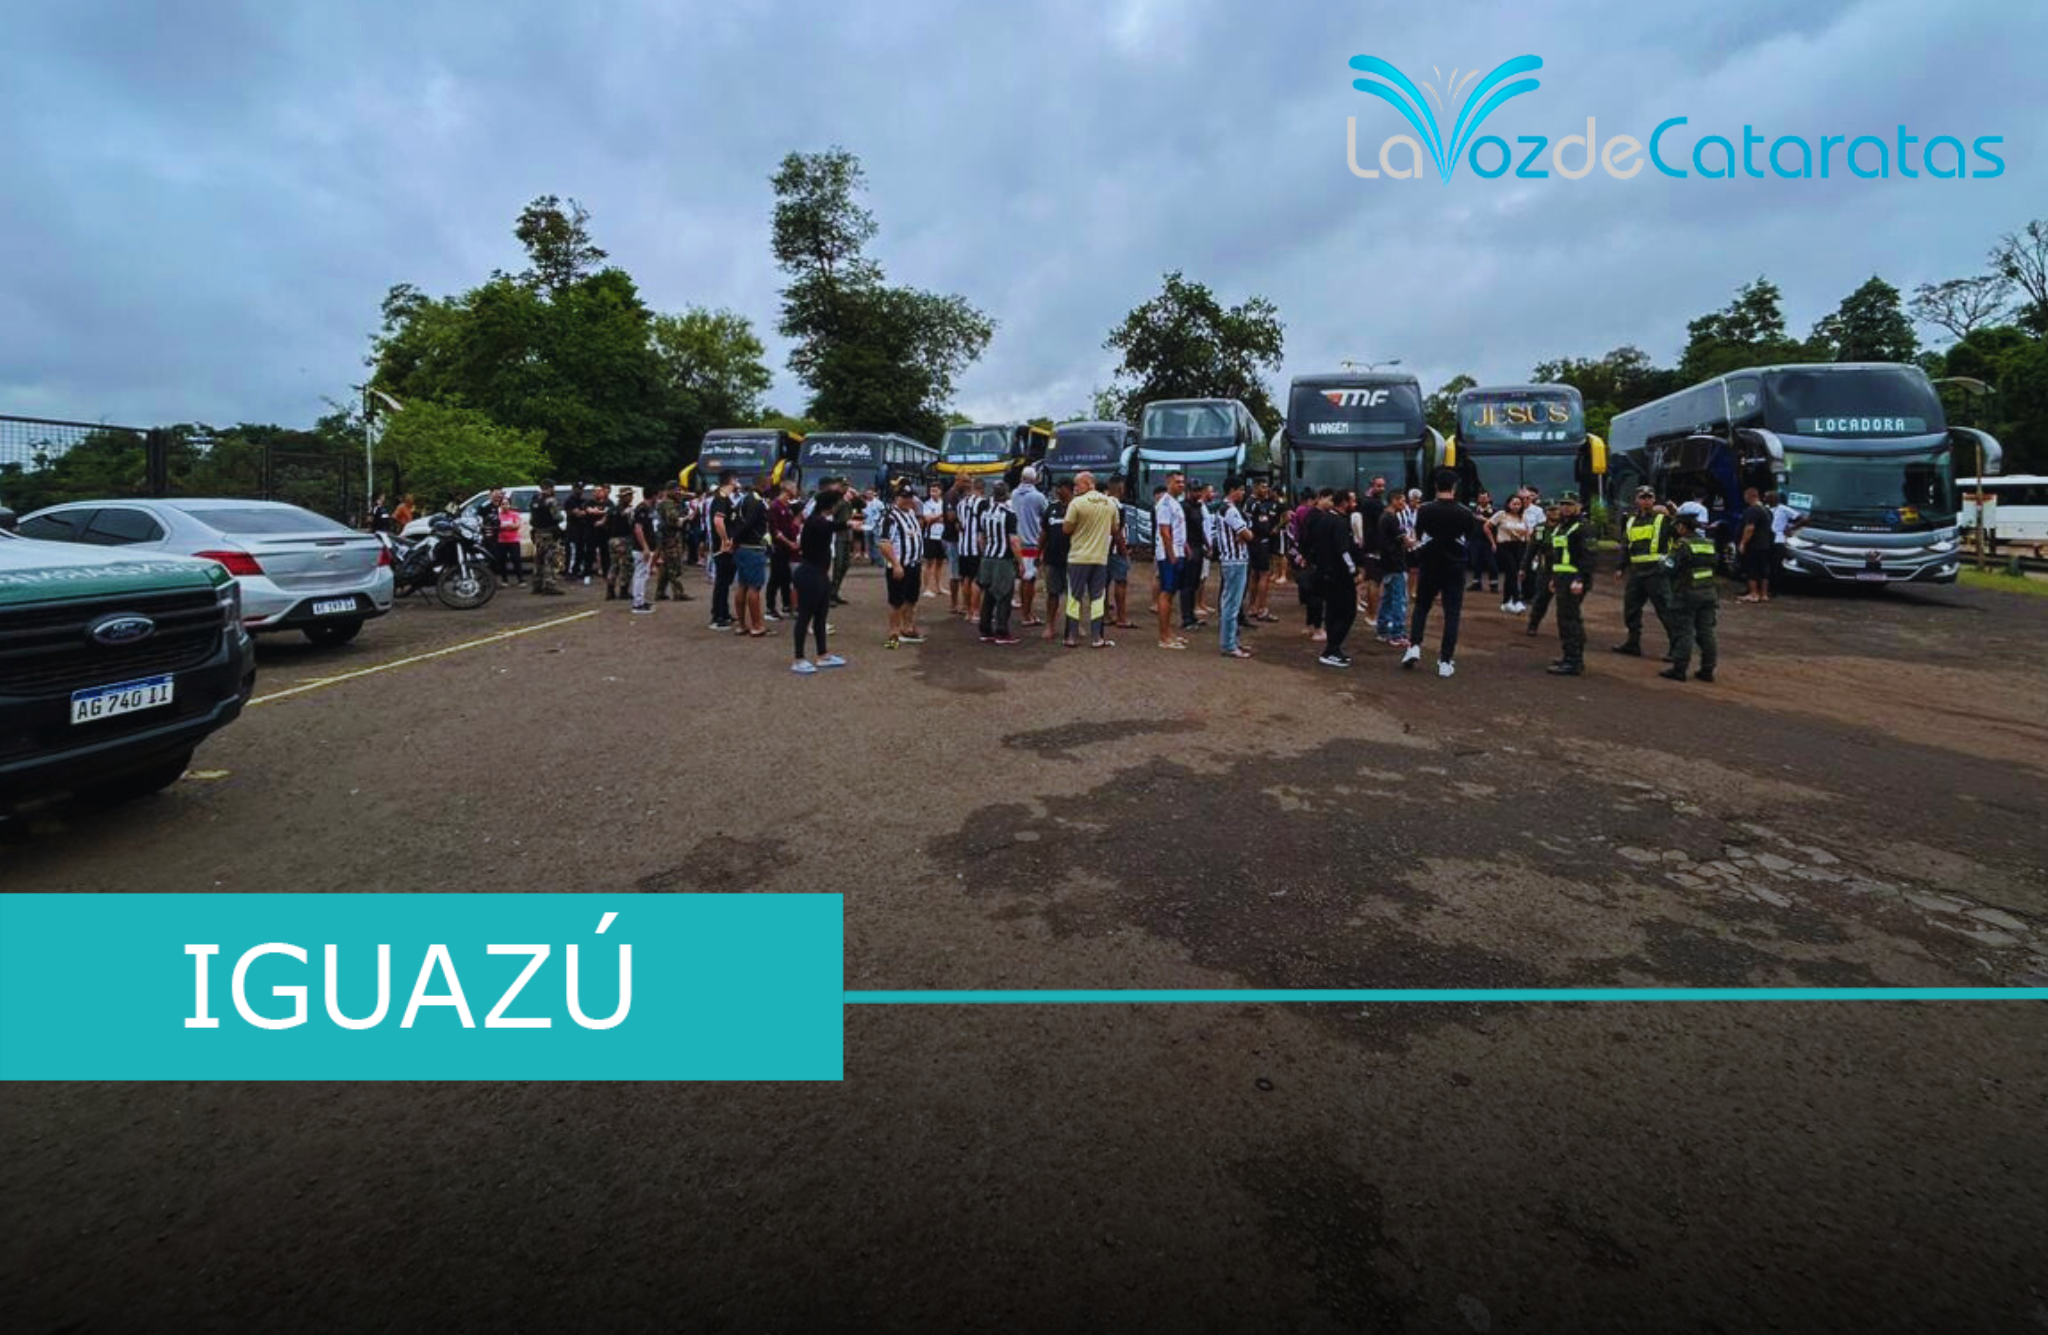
(1370, 366)
(370, 398)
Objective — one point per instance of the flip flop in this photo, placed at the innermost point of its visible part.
(1033, 622)
(1104, 644)
(1176, 644)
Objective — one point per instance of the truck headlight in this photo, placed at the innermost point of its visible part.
(228, 598)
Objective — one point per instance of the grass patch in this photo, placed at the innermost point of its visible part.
(1999, 582)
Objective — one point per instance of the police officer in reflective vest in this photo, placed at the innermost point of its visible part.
(1570, 560)
(1646, 540)
(1695, 603)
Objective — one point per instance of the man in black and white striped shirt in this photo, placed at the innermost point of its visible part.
(902, 539)
(1230, 539)
(1000, 552)
(968, 511)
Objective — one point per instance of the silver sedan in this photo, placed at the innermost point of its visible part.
(298, 570)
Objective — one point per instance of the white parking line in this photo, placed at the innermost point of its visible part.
(338, 678)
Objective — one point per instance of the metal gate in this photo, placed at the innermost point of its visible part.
(44, 461)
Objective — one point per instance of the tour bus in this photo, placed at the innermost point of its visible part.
(1348, 427)
(760, 453)
(877, 459)
(1512, 436)
(1861, 449)
(1101, 448)
(1207, 439)
(992, 452)
(2015, 510)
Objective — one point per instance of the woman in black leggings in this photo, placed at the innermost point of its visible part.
(813, 577)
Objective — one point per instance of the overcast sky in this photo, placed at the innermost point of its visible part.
(204, 202)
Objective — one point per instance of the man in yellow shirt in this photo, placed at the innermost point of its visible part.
(1088, 524)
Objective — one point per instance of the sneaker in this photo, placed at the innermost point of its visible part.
(1334, 660)
(1446, 669)
(719, 625)
(912, 638)
(803, 667)
(1629, 649)
(1412, 657)
(643, 609)
(1562, 669)
(1705, 675)
(889, 643)
(1507, 607)
(831, 660)
(1006, 639)
(772, 616)
(586, 581)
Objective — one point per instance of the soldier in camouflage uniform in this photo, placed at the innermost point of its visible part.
(545, 524)
(618, 542)
(672, 514)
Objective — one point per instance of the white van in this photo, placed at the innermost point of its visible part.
(520, 498)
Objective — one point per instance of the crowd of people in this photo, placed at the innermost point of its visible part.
(1057, 565)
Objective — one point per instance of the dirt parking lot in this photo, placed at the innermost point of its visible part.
(1858, 801)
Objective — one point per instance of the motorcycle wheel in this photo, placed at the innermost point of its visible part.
(466, 590)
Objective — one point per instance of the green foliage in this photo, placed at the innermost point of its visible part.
(1869, 326)
(1612, 383)
(440, 452)
(713, 369)
(875, 357)
(1963, 305)
(1748, 331)
(558, 244)
(1185, 344)
(1440, 409)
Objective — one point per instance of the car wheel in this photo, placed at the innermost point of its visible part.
(334, 632)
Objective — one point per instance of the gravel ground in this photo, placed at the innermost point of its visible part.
(1858, 801)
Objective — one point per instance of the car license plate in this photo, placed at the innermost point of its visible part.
(1874, 576)
(328, 607)
(125, 697)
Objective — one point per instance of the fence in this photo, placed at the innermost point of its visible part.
(45, 461)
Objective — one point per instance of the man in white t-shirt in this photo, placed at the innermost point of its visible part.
(1169, 550)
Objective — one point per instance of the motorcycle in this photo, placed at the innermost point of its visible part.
(450, 561)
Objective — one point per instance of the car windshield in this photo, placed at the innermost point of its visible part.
(255, 522)
(1902, 489)
(1189, 421)
(1520, 417)
(1872, 401)
(976, 444)
(1379, 413)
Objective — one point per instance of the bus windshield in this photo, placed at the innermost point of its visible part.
(1189, 421)
(1866, 402)
(1153, 473)
(1520, 417)
(1377, 414)
(975, 445)
(751, 455)
(1896, 489)
(1501, 474)
(1073, 450)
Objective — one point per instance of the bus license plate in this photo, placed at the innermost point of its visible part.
(1874, 576)
(125, 697)
(333, 607)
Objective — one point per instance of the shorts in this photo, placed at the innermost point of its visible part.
(1055, 584)
(1119, 569)
(1169, 576)
(750, 566)
(1756, 563)
(952, 559)
(1259, 558)
(905, 591)
(1027, 565)
(970, 568)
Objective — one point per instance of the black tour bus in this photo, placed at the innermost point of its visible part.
(761, 453)
(1348, 427)
(1101, 448)
(865, 459)
(1512, 436)
(1861, 449)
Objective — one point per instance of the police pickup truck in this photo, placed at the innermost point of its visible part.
(112, 668)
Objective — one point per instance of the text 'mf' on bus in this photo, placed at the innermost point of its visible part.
(1208, 440)
(874, 460)
(761, 454)
(1347, 428)
(1513, 436)
(1861, 450)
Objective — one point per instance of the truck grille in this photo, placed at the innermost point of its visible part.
(46, 650)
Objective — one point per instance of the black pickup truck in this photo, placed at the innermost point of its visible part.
(112, 669)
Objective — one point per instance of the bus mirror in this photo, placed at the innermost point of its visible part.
(1598, 450)
(1981, 446)
(1757, 439)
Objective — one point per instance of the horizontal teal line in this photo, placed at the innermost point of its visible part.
(1153, 996)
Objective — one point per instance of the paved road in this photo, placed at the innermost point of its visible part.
(1858, 802)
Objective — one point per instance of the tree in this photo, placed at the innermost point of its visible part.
(1184, 344)
(1440, 409)
(1748, 331)
(2021, 258)
(1612, 383)
(1869, 326)
(1963, 305)
(440, 451)
(712, 364)
(558, 244)
(873, 356)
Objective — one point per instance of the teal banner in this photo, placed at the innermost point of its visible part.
(421, 987)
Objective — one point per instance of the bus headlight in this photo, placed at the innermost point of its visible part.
(1944, 545)
(1799, 542)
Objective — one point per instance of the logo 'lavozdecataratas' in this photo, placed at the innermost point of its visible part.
(1446, 136)
(1399, 90)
